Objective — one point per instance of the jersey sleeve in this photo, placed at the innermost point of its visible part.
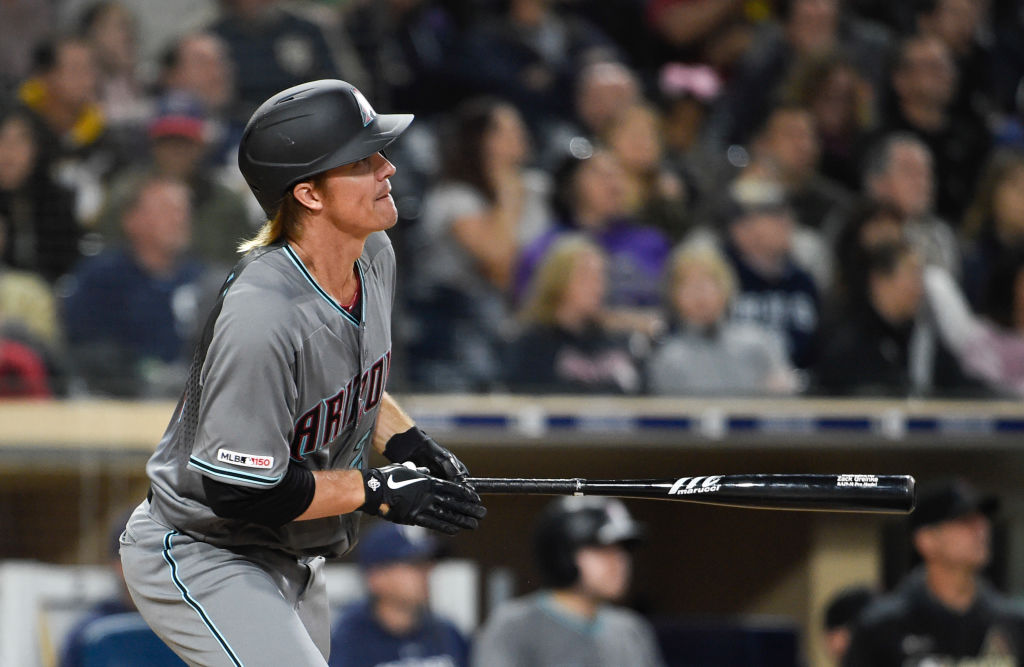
(248, 394)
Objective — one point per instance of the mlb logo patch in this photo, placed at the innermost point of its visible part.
(247, 460)
(365, 110)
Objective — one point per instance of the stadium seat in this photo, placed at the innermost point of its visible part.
(124, 640)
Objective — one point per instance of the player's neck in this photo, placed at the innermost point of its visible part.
(955, 587)
(576, 603)
(330, 258)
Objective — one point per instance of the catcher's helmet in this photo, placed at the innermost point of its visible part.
(308, 129)
(573, 522)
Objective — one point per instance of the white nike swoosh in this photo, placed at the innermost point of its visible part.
(392, 484)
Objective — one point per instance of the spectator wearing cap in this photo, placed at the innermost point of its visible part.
(394, 624)
(944, 612)
(841, 612)
(177, 143)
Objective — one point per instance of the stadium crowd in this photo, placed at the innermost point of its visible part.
(685, 197)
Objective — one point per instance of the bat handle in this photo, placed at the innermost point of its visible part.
(555, 487)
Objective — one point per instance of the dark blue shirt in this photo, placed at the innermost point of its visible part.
(788, 303)
(358, 640)
(112, 299)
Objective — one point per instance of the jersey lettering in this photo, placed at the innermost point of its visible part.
(328, 419)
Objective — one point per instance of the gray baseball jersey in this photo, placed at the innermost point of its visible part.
(282, 374)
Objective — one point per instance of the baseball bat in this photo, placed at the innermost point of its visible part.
(887, 494)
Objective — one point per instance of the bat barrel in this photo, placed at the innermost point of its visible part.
(851, 493)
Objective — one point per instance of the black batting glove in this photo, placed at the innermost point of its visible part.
(408, 495)
(416, 446)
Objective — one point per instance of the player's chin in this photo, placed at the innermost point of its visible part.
(386, 211)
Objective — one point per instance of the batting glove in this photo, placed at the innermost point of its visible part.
(416, 446)
(409, 495)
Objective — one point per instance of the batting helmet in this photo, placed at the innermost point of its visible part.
(308, 129)
(573, 522)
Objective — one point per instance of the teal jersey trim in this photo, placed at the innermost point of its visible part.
(192, 602)
(234, 474)
(323, 293)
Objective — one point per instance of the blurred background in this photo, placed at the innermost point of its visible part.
(636, 238)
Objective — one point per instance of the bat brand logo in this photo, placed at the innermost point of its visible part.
(686, 486)
(392, 484)
(374, 484)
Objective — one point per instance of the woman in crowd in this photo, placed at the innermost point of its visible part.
(466, 242)
(37, 214)
(563, 347)
(705, 353)
(994, 223)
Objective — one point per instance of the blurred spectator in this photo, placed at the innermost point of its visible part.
(687, 95)
(465, 246)
(898, 172)
(924, 85)
(888, 347)
(786, 150)
(133, 312)
(177, 144)
(944, 612)
(994, 223)
(75, 642)
(655, 193)
(773, 290)
(582, 548)
(603, 88)
(197, 64)
(958, 23)
(842, 103)
(271, 49)
(530, 54)
(564, 348)
(110, 28)
(1005, 24)
(23, 24)
(590, 197)
(715, 32)
(72, 130)
(807, 30)
(841, 613)
(408, 48)
(394, 624)
(37, 215)
(28, 319)
(990, 347)
(704, 352)
(863, 226)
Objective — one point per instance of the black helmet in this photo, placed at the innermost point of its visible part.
(573, 522)
(308, 129)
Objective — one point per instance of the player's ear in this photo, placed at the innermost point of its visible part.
(306, 193)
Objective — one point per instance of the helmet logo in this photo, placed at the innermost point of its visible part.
(365, 110)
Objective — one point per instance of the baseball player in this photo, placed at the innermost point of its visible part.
(263, 466)
(581, 546)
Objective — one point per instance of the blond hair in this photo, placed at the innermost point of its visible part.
(549, 283)
(285, 224)
(700, 254)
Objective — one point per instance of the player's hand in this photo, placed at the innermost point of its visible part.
(416, 446)
(409, 495)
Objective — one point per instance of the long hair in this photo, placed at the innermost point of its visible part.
(549, 283)
(462, 151)
(980, 216)
(286, 223)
